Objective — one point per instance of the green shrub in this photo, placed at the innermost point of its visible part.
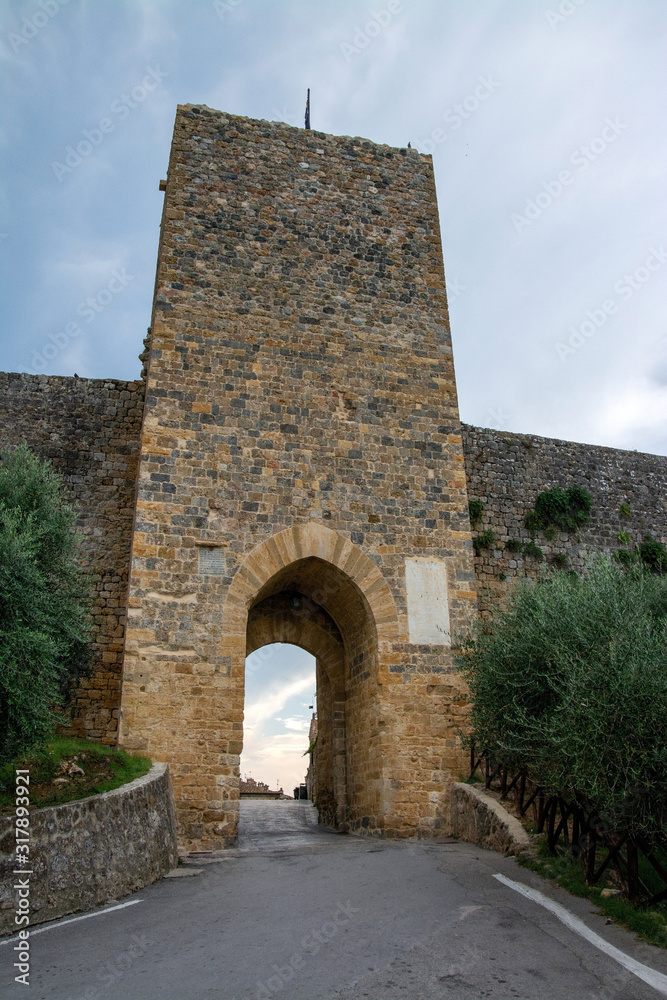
(653, 554)
(533, 521)
(560, 560)
(513, 545)
(483, 541)
(624, 509)
(557, 508)
(44, 624)
(475, 508)
(533, 551)
(570, 680)
(624, 537)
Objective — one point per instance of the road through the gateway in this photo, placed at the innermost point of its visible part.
(298, 913)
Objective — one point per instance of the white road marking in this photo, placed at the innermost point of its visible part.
(71, 920)
(655, 979)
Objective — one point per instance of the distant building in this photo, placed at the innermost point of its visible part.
(251, 789)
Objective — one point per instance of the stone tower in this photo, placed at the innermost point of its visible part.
(301, 476)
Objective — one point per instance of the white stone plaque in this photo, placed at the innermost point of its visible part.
(428, 605)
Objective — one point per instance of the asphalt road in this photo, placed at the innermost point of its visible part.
(297, 913)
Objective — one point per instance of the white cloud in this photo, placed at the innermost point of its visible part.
(299, 725)
(557, 87)
(274, 700)
(273, 742)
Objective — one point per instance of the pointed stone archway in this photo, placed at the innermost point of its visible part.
(311, 587)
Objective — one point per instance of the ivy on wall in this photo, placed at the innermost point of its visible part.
(566, 510)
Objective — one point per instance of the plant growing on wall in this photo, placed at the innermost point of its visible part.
(483, 541)
(44, 623)
(557, 508)
(653, 554)
(533, 551)
(475, 508)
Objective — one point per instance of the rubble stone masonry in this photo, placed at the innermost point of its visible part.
(508, 471)
(300, 389)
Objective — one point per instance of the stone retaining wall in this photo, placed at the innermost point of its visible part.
(479, 819)
(89, 852)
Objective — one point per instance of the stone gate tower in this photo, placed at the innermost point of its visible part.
(301, 475)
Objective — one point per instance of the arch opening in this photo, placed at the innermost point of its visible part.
(279, 703)
(313, 604)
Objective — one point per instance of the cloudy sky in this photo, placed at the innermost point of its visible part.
(280, 685)
(546, 122)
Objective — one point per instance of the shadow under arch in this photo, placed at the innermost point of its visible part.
(304, 541)
(311, 587)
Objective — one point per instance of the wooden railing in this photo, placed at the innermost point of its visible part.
(597, 840)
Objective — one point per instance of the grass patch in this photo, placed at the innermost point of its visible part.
(650, 925)
(64, 769)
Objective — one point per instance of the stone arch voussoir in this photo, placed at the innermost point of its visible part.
(303, 541)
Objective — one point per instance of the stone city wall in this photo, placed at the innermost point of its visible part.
(301, 438)
(507, 471)
(89, 430)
